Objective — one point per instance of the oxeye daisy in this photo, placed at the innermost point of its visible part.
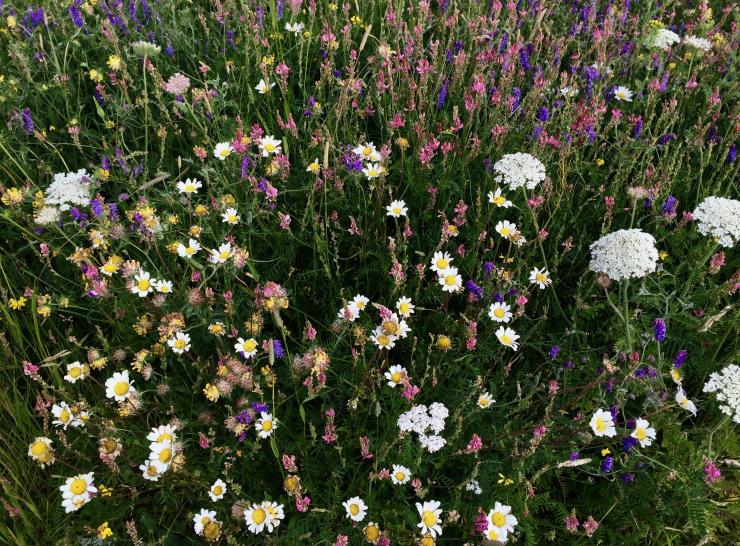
(373, 170)
(119, 386)
(506, 229)
(602, 424)
(643, 433)
(405, 307)
(395, 375)
(485, 400)
(499, 312)
(180, 343)
(371, 532)
(246, 347)
(501, 517)
(256, 517)
(163, 287)
(275, 514)
(264, 87)
(77, 491)
(295, 28)
(356, 508)
(496, 198)
(190, 186)
(396, 209)
(162, 434)
(367, 152)
(269, 145)
(360, 302)
(150, 471)
(76, 371)
(540, 277)
(495, 534)
(314, 167)
(203, 518)
(431, 518)
(621, 93)
(217, 490)
(400, 474)
(143, 284)
(41, 451)
(223, 150)
(450, 280)
(684, 402)
(220, 255)
(230, 216)
(265, 425)
(382, 340)
(161, 455)
(190, 250)
(507, 337)
(62, 414)
(441, 261)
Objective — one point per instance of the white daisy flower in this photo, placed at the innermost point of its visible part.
(431, 518)
(163, 287)
(269, 145)
(162, 434)
(496, 198)
(203, 518)
(506, 229)
(400, 474)
(230, 216)
(180, 343)
(441, 261)
(77, 491)
(643, 433)
(161, 455)
(360, 302)
(485, 400)
(149, 471)
(500, 312)
(395, 375)
(246, 347)
(41, 451)
(507, 337)
(367, 152)
(621, 93)
(190, 186)
(602, 424)
(223, 150)
(264, 87)
(314, 167)
(221, 255)
(143, 284)
(684, 402)
(76, 371)
(275, 514)
(405, 307)
(373, 170)
(119, 386)
(382, 340)
(265, 425)
(450, 280)
(540, 277)
(356, 508)
(295, 28)
(190, 250)
(396, 209)
(256, 517)
(217, 490)
(501, 517)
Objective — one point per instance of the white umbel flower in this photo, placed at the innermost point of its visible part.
(69, 189)
(720, 218)
(519, 170)
(623, 254)
(663, 39)
(726, 388)
(698, 43)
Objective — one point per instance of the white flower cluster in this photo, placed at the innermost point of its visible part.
(663, 38)
(623, 254)
(726, 388)
(720, 218)
(162, 451)
(68, 189)
(697, 42)
(421, 419)
(519, 170)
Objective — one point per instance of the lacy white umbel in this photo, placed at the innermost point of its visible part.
(519, 171)
(720, 218)
(69, 189)
(623, 254)
(726, 388)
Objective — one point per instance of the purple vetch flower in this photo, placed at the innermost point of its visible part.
(607, 464)
(96, 206)
(74, 13)
(27, 121)
(554, 350)
(680, 358)
(260, 407)
(475, 290)
(278, 349)
(638, 128)
(628, 442)
(568, 364)
(666, 138)
(627, 477)
(498, 297)
(669, 205)
(524, 59)
(732, 153)
(488, 269)
(543, 114)
(574, 456)
(659, 329)
(442, 95)
(243, 417)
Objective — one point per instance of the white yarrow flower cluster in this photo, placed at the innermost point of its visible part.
(720, 218)
(69, 189)
(623, 254)
(519, 170)
(726, 388)
(421, 419)
(697, 43)
(663, 39)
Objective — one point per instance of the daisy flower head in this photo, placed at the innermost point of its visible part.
(76, 371)
(371, 532)
(450, 280)
(349, 313)
(623, 254)
(161, 455)
(500, 312)
(643, 433)
(256, 517)
(119, 386)
(431, 518)
(441, 261)
(519, 170)
(41, 451)
(162, 434)
(295, 28)
(396, 209)
(143, 284)
(360, 302)
(77, 491)
(367, 152)
(269, 145)
(246, 347)
(230, 216)
(621, 93)
(275, 514)
(217, 490)
(400, 475)
(64, 417)
(190, 186)
(372, 170)
(506, 229)
(220, 255)
(223, 150)
(150, 471)
(356, 508)
(314, 167)
(684, 402)
(498, 199)
(485, 400)
(163, 287)
(540, 277)
(720, 218)
(180, 343)
(264, 87)
(190, 250)
(265, 425)
(405, 307)
(602, 424)
(495, 534)
(508, 337)
(502, 518)
(383, 340)
(395, 375)
(203, 518)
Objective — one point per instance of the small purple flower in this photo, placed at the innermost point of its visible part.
(474, 289)
(27, 120)
(278, 349)
(574, 456)
(680, 358)
(568, 364)
(607, 464)
(488, 269)
(442, 95)
(669, 205)
(543, 114)
(260, 407)
(628, 442)
(732, 153)
(659, 329)
(554, 350)
(627, 477)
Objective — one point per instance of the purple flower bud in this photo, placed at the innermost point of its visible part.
(659, 328)
(680, 358)
(607, 464)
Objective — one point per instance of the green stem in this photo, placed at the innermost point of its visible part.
(627, 315)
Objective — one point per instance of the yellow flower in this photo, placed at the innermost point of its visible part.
(95, 75)
(114, 62)
(605, 452)
(504, 480)
(599, 162)
(444, 342)
(211, 392)
(16, 304)
(104, 531)
(10, 21)
(268, 60)
(662, 255)
(201, 210)
(44, 311)
(12, 197)
(105, 491)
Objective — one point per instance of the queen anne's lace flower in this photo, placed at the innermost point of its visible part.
(720, 218)
(697, 42)
(623, 254)
(519, 170)
(69, 189)
(663, 38)
(726, 388)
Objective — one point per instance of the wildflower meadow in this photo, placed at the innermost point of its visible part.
(385, 272)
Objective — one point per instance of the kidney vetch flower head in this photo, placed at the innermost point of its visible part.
(623, 254)
(519, 170)
(720, 218)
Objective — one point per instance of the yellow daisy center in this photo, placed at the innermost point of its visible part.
(121, 388)
(164, 437)
(270, 147)
(372, 533)
(505, 231)
(396, 377)
(404, 308)
(396, 210)
(78, 486)
(499, 200)
(75, 372)
(354, 509)
(143, 284)
(498, 519)
(429, 518)
(259, 515)
(165, 455)
(450, 280)
(541, 277)
(267, 425)
(640, 433)
(442, 263)
(383, 340)
(189, 188)
(506, 340)
(39, 448)
(400, 476)
(499, 313)
(600, 425)
(151, 470)
(217, 491)
(180, 343)
(224, 153)
(250, 345)
(64, 415)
